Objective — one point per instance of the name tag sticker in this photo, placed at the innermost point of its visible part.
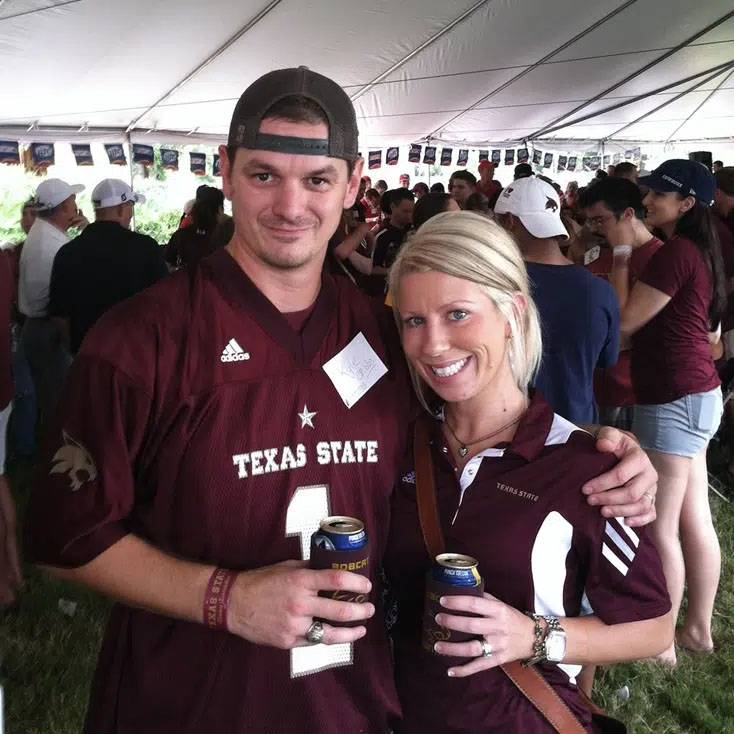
(591, 255)
(355, 370)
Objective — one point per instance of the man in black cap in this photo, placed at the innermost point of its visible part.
(233, 407)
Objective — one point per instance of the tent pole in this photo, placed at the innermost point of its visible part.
(669, 101)
(618, 105)
(216, 54)
(708, 97)
(536, 64)
(128, 138)
(551, 125)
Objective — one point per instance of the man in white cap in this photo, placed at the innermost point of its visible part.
(579, 312)
(56, 209)
(104, 265)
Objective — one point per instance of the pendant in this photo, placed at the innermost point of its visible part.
(463, 451)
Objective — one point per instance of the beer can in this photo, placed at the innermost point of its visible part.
(456, 569)
(451, 574)
(341, 544)
(340, 533)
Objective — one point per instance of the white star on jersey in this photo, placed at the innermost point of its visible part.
(307, 417)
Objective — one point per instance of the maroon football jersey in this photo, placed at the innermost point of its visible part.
(520, 512)
(195, 417)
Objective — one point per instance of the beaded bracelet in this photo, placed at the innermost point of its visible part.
(543, 625)
(216, 598)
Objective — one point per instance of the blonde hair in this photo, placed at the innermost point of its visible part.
(469, 246)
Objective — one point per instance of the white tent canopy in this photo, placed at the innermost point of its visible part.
(457, 72)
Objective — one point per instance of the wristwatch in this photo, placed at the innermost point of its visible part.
(555, 643)
(550, 640)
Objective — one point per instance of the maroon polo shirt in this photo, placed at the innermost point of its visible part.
(671, 355)
(195, 417)
(520, 512)
(613, 386)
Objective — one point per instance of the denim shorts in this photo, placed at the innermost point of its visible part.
(682, 427)
(4, 419)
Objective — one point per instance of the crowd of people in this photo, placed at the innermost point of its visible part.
(204, 405)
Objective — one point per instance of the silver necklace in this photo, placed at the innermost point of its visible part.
(464, 446)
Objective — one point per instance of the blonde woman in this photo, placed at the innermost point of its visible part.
(508, 474)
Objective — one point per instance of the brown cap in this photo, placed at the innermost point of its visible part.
(274, 86)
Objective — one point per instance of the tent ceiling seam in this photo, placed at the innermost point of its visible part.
(423, 46)
(214, 55)
(553, 126)
(38, 10)
(703, 102)
(538, 63)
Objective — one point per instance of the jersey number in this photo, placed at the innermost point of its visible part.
(307, 508)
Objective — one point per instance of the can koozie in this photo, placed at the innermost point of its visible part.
(356, 561)
(433, 632)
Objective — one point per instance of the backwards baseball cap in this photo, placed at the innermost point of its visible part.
(682, 176)
(262, 94)
(113, 192)
(536, 204)
(52, 192)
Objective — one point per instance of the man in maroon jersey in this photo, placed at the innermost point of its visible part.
(231, 409)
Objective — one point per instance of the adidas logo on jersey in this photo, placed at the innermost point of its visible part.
(233, 352)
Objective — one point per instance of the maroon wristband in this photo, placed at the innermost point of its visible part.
(216, 598)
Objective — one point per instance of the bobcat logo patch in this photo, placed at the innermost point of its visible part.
(73, 459)
(551, 204)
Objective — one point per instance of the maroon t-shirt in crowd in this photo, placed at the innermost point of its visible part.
(196, 418)
(7, 298)
(520, 512)
(613, 386)
(725, 231)
(671, 355)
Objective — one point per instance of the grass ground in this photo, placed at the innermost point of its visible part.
(49, 658)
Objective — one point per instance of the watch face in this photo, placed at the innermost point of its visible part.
(555, 645)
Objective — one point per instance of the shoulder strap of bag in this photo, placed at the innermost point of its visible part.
(528, 681)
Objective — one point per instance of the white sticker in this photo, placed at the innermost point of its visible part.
(591, 255)
(355, 370)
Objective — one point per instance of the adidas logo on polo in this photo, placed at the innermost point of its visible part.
(233, 352)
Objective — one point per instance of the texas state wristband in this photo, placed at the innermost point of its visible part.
(216, 598)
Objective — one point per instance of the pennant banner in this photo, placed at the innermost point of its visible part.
(562, 160)
(216, 166)
(522, 155)
(82, 154)
(143, 154)
(414, 154)
(496, 157)
(375, 159)
(429, 155)
(509, 157)
(594, 162)
(628, 154)
(586, 163)
(617, 158)
(115, 154)
(9, 153)
(636, 154)
(572, 163)
(197, 163)
(463, 157)
(607, 160)
(547, 160)
(43, 154)
(446, 156)
(483, 155)
(537, 157)
(169, 159)
(392, 156)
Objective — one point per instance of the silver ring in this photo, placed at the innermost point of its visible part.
(650, 496)
(315, 633)
(486, 648)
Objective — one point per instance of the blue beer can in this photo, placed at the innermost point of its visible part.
(456, 569)
(340, 533)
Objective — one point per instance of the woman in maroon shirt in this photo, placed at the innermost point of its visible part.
(670, 316)
(566, 585)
